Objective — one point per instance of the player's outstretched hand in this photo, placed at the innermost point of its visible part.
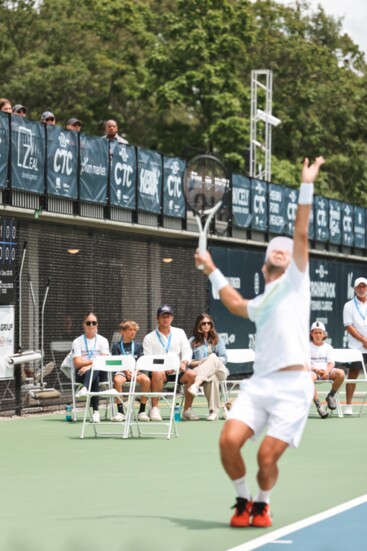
(310, 172)
(205, 260)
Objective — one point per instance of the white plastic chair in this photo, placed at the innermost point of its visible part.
(109, 364)
(164, 362)
(346, 356)
(59, 349)
(237, 356)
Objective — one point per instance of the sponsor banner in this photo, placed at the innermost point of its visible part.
(28, 155)
(173, 196)
(8, 258)
(94, 161)
(347, 225)
(291, 202)
(335, 222)
(321, 218)
(259, 209)
(122, 178)
(359, 227)
(277, 208)
(6, 340)
(149, 180)
(241, 201)
(331, 287)
(62, 162)
(4, 148)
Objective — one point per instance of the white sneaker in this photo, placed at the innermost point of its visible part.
(189, 415)
(155, 414)
(96, 418)
(142, 416)
(82, 392)
(348, 410)
(193, 390)
(212, 417)
(119, 417)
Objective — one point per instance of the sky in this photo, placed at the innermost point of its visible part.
(354, 13)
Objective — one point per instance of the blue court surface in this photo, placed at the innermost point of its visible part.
(342, 528)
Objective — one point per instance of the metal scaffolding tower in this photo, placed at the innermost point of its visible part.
(261, 123)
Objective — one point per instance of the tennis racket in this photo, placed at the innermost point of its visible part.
(205, 181)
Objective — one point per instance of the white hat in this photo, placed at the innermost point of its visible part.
(360, 280)
(279, 244)
(318, 325)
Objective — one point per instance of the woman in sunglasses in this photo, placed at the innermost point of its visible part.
(85, 348)
(209, 359)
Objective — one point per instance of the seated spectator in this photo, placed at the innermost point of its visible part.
(209, 359)
(5, 105)
(323, 367)
(127, 346)
(19, 109)
(111, 132)
(170, 340)
(74, 124)
(48, 117)
(85, 348)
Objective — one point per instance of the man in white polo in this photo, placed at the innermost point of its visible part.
(355, 323)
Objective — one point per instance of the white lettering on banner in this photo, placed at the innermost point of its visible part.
(174, 186)
(226, 338)
(127, 171)
(275, 195)
(321, 218)
(323, 289)
(234, 281)
(276, 220)
(66, 158)
(240, 196)
(259, 204)
(347, 224)
(149, 182)
(6, 339)
(274, 207)
(26, 157)
(99, 170)
(291, 211)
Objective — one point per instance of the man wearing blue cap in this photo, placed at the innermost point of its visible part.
(170, 340)
(279, 394)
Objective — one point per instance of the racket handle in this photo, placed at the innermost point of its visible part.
(202, 248)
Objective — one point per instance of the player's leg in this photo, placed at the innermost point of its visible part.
(187, 380)
(337, 376)
(320, 410)
(118, 382)
(144, 383)
(157, 382)
(234, 435)
(353, 373)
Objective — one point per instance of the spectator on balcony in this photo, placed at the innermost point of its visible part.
(74, 124)
(111, 134)
(5, 105)
(48, 118)
(20, 110)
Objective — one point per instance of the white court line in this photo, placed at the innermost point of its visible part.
(269, 538)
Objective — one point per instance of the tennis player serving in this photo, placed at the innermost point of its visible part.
(279, 394)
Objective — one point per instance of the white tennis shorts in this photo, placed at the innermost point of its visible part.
(280, 401)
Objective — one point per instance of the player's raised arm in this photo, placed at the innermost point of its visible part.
(232, 300)
(300, 247)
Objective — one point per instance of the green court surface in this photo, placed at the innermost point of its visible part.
(60, 493)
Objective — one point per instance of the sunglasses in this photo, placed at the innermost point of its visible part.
(205, 323)
(51, 119)
(91, 323)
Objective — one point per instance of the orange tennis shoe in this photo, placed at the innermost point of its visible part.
(260, 513)
(241, 516)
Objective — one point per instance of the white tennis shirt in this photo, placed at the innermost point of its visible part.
(355, 314)
(321, 355)
(282, 318)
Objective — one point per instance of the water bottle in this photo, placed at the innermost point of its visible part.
(177, 413)
(69, 413)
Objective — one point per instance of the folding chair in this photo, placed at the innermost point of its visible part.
(346, 356)
(237, 356)
(164, 362)
(68, 369)
(109, 364)
(58, 351)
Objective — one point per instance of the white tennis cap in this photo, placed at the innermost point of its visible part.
(279, 244)
(318, 325)
(360, 280)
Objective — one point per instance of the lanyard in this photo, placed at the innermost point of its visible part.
(90, 353)
(123, 351)
(358, 309)
(206, 349)
(166, 348)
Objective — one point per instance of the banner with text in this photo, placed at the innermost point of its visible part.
(347, 225)
(241, 197)
(359, 229)
(62, 162)
(122, 179)
(173, 197)
(277, 208)
(335, 222)
(149, 180)
(6, 340)
(27, 155)
(321, 221)
(94, 160)
(291, 202)
(259, 192)
(4, 148)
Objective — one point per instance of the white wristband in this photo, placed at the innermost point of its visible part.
(218, 280)
(305, 194)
